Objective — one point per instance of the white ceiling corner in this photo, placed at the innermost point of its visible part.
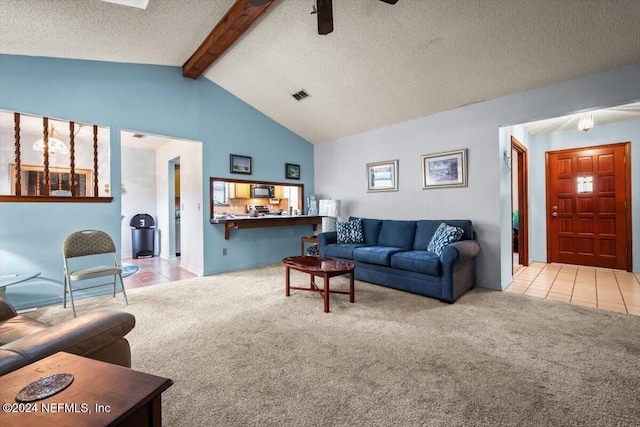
(140, 4)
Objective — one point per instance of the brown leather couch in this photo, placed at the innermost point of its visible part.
(98, 335)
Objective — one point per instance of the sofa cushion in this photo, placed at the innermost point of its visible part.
(444, 236)
(418, 261)
(350, 231)
(371, 230)
(397, 234)
(426, 228)
(341, 250)
(380, 255)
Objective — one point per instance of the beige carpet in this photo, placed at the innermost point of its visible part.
(241, 354)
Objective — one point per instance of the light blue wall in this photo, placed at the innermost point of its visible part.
(150, 99)
(600, 134)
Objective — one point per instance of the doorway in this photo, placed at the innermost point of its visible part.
(150, 185)
(519, 205)
(176, 205)
(589, 206)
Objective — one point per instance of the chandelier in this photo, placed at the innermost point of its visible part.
(55, 145)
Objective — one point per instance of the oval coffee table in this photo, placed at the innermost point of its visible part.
(321, 267)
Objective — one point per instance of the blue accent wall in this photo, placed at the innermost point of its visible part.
(149, 99)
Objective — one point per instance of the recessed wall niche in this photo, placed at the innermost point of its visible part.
(67, 149)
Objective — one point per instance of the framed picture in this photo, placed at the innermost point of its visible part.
(240, 164)
(382, 176)
(291, 171)
(444, 169)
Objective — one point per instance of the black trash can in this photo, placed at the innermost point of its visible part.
(142, 235)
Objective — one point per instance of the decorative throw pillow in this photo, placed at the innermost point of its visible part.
(350, 231)
(444, 236)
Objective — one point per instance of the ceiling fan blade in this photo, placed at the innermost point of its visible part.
(390, 1)
(325, 16)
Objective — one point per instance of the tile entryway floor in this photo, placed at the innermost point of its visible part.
(602, 288)
(154, 271)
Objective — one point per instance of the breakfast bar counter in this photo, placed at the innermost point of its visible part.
(246, 221)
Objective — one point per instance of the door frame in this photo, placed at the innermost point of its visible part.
(627, 196)
(523, 201)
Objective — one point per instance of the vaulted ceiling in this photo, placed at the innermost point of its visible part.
(382, 64)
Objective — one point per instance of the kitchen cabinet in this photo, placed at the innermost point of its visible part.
(242, 191)
(278, 192)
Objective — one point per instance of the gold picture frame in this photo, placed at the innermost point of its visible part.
(441, 170)
(382, 176)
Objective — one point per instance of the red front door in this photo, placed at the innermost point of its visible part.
(586, 212)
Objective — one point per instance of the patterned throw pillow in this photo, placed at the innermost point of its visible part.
(444, 236)
(350, 231)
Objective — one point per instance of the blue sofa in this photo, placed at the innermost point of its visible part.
(394, 254)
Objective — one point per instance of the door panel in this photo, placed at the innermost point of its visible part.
(586, 209)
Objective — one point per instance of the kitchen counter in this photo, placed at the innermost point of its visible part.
(268, 220)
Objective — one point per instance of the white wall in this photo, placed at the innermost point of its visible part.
(191, 214)
(139, 181)
(506, 225)
(340, 164)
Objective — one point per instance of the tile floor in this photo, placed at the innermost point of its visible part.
(601, 288)
(154, 271)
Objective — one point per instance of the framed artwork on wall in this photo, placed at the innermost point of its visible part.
(382, 176)
(240, 164)
(291, 171)
(444, 169)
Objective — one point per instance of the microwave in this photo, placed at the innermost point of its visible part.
(262, 191)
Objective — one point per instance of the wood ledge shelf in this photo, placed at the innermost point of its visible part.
(284, 221)
(54, 199)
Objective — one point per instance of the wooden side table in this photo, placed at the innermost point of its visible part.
(307, 239)
(101, 394)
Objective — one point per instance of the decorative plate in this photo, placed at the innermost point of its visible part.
(44, 387)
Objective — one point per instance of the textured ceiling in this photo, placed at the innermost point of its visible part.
(382, 64)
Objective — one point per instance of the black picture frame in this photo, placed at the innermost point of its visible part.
(239, 164)
(291, 171)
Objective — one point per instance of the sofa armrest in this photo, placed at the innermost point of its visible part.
(6, 311)
(459, 251)
(325, 239)
(458, 269)
(83, 335)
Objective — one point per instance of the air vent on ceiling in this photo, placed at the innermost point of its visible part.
(299, 96)
(138, 135)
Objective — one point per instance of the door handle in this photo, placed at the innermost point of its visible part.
(554, 214)
(555, 208)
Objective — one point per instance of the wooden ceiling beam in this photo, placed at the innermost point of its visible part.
(236, 22)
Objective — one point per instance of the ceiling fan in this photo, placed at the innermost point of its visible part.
(325, 15)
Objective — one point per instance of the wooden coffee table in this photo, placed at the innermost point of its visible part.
(321, 267)
(101, 394)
